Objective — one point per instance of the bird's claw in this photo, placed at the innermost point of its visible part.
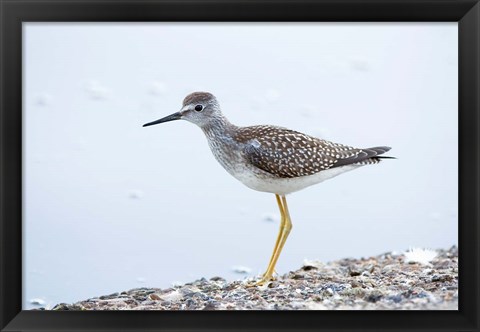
(264, 281)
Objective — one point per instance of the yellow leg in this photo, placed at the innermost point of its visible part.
(280, 231)
(285, 228)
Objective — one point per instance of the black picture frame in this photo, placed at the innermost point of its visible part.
(15, 12)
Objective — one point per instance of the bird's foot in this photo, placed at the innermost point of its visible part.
(263, 281)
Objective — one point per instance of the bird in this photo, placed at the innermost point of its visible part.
(270, 158)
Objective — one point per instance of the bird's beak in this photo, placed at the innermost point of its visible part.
(171, 117)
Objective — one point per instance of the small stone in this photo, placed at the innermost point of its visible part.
(395, 298)
(211, 305)
(354, 272)
(296, 276)
(37, 301)
(373, 297)
(441, 278)
(355, 284)
(172, 296)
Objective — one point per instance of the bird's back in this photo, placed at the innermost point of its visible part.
(286, 153)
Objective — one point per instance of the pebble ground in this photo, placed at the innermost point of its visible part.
(383, 282)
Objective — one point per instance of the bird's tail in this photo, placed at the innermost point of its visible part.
(375, 155)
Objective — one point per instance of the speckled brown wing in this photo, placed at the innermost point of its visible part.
(286, 153)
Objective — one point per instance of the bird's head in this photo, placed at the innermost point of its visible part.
(200, 108)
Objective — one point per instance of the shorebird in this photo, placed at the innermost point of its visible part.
(269, 158)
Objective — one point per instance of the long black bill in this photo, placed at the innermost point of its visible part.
(171, 117)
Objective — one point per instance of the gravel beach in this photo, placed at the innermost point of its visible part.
(390, 281)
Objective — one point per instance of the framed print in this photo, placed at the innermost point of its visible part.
(112, 202)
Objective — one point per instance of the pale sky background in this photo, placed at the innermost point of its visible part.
(109, 205)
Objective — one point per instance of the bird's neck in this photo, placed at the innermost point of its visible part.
(218, 128)
(220, 135)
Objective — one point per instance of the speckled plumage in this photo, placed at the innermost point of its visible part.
(287, 153)
(270, 158)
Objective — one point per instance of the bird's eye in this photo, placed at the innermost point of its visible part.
(198, 108)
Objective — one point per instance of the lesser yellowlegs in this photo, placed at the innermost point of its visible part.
(269, 158)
